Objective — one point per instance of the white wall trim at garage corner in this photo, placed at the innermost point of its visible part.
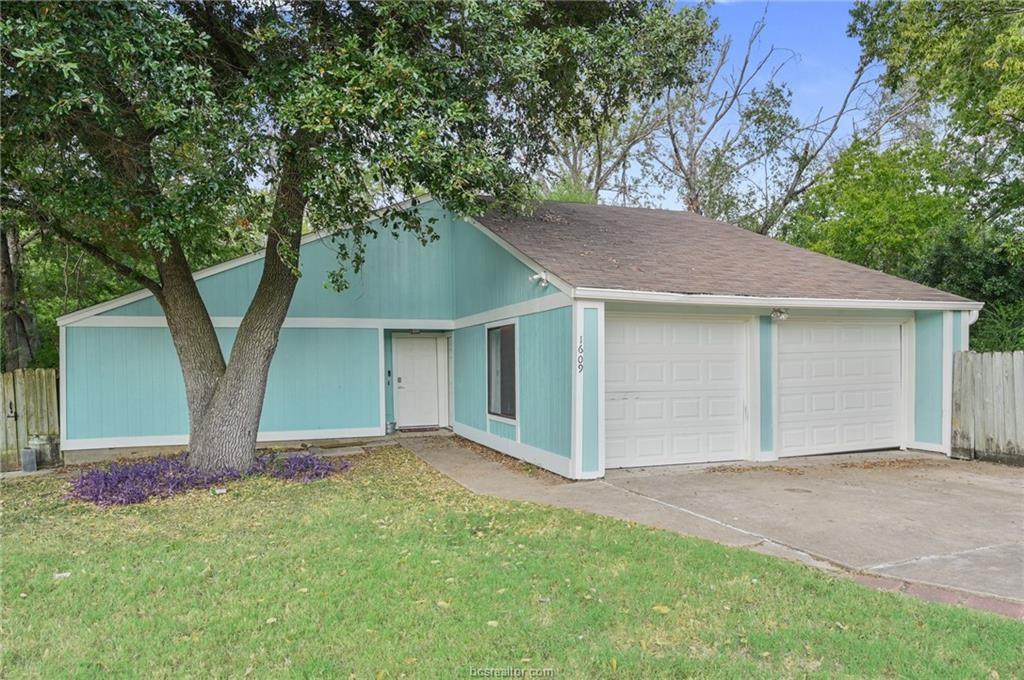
(182, 439)
(576, 400)
(947, 382)
(749, 300)
(578, 386)
(560, 465)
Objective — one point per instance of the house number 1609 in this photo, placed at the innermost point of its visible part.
(579, 356)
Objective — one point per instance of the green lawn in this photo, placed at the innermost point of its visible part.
(393, 570)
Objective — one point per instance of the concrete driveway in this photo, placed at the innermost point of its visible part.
(906, 515)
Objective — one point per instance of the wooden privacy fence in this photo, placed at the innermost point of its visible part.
(29, 399)
(988, 406)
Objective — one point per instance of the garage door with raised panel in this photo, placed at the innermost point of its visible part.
(838, 387)
(674, 390)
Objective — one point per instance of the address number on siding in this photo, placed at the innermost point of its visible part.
(579, 356)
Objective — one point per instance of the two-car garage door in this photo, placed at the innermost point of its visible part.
(677, 389)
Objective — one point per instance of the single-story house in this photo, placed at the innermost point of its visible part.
(578, 338)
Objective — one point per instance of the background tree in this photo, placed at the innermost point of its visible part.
(724, 139)
(133, 130)
(732, 148)
(941, 202)
(20, 339)
(597, 154)
(881, 208)
(966, 54)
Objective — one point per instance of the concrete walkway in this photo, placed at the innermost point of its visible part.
(616, 499)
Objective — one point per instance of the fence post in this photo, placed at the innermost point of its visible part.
(1010, 434)
(963, 421)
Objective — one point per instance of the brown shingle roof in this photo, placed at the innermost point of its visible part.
(598, 246)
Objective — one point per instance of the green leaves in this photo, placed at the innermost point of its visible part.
(966, 54)
(879, 208)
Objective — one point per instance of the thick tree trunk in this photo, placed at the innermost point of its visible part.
(20, 335)
(192, 331)
(226, 400)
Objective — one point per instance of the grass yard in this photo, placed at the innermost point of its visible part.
(392, 570)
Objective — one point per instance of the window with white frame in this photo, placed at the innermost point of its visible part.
(501, 371)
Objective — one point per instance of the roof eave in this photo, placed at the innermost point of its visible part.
(615, 294)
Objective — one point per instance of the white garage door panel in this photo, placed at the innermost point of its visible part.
(839, 386)
(674, 390)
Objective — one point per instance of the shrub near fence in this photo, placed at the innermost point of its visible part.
(29, 400)
(988, 406)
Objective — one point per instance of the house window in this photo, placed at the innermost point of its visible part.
(501, 371)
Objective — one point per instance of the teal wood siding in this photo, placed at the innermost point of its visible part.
(461, 273)
(469, 352)
(928, 377)
(486, 276)
(126, 382)
(591, 454)
(506, 430)
(544, 362)
(401, 279)
(545, 366)
(324, 379)
(766, 357)
(123, 382)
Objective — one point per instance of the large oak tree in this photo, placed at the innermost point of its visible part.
(135, 131)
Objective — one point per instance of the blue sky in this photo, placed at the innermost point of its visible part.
(815, 31)
(811, 37)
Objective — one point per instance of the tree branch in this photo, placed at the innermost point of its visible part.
(100, 254)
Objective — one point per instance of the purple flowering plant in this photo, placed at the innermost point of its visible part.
(131, 482)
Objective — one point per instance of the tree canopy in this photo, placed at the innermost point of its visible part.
(151, 133)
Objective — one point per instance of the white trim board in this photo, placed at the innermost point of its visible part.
(560, 465)
(382, 381)
(514, 322)
(289, 322)
(576, 415)
(182, 439)
(542, 304)
(747, 301)
(62, 406)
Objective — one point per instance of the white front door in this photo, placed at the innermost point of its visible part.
(417, 380)
(839, 386)
(675, 390)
